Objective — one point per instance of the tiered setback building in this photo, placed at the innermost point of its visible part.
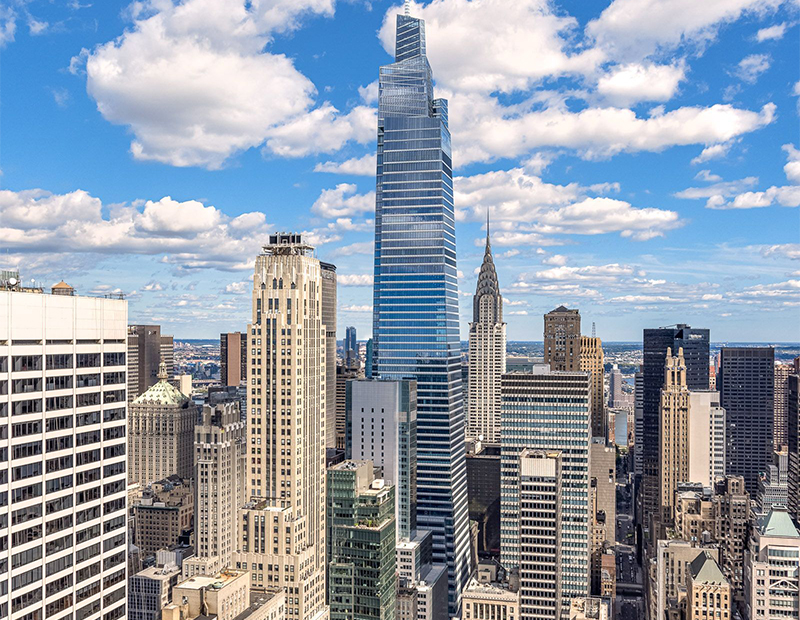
(63, 406)
(286, 434)
(160, 433)
(487, 354)
(416, 282)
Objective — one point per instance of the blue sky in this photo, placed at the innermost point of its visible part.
(639, 159)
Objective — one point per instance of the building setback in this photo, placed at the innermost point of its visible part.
(416, 284)
(746, 383)
(487, 354)
(63, 411)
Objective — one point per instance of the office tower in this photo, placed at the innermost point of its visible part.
(780, 431)
(163, 515)
(773, 485)
(708, 593)
(63, 410)
(232, 358)
(562, 339)
(539, 479)
(350, 347)
(286, 434)
(147, 348)
(343, 377)
(772, 568)
(416, 284)
(329, 320)
(487, 354)
(732, 507)
(382, 427)
(483, 485)
(220, 472)
(548, 410)
(591, 361)
(694, 343)
(674, 452)
(667, 578)
(615, 387)
(746, 383)
(706, 441)
(638, 423)
(361, 543)
(150, 590)
(794, 446)
(603, 506)
(224, 596)
(160, 433)
(368, 359)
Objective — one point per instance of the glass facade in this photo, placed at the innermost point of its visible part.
(415, 320)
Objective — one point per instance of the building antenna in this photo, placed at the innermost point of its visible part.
(407, 7)
(594, 330)
(487, 226)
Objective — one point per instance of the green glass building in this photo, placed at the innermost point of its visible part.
(362, 581)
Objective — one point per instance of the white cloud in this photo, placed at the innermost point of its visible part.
(8, 25)
(722, 188)
(361, 166)
(707, 175)
(751, 67)
(238, 288)
(355, 308)
(784, 250)
(555, 259)
(187, 234)
(153, 286)
(37, 27)
(369, 93)
(518, 312)
(635, 82)
(786, 196)
(195, 86)
(342, 201)
(792, 167)
(713, 151)
(354, 279)
(360, 247)
(634, 29)
(771, 33)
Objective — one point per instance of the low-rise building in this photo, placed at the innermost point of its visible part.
(668, 574)
(708, 593)
(590, 608)
(482, 600)
(163, 514)
(150, 590)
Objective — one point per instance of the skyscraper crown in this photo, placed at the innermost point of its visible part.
(488, 284)
(410, 38)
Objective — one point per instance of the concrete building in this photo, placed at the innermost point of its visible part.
(286, 436)
(432, 593)
(487, 354)
(147, 348)
(329, 306)
(591, 361)
(746, 382)
(708, 593)
(732, 506)
(163, 515)
(351, 348)
(63, 405)
(656, 343)
(232, 358)
(483, 601)
(382, 428)
(773, 485)
(603, 502)
(695, 514)
(160, 426)
(343, 376)
(224, 596)
(706, 439)
(589, 608)
(638, 424)
(220, 474)
(772, 568)
(361, 543)
(794, 446)
(780, 431)
(541, 525)
(668, 572)
(150, 590)
(615, 393)
(483, 490)
(549, 410)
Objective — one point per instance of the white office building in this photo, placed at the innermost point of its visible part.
(63, 500)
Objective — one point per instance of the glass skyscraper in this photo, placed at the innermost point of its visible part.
(415, 321)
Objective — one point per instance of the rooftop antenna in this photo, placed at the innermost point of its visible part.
(594, 330)
(407, 7)
(487, 226)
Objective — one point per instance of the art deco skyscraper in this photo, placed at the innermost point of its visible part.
(329, 319)
(674, 438)
(282, 528)
(415, 321)
(487, 354)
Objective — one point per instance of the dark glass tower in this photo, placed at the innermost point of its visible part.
(415, 321)
(746, 384)
(695, 352)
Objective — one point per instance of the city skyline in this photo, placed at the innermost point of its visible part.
(571, 209)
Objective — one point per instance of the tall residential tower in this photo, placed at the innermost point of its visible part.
(487, 354)
(415, 321)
